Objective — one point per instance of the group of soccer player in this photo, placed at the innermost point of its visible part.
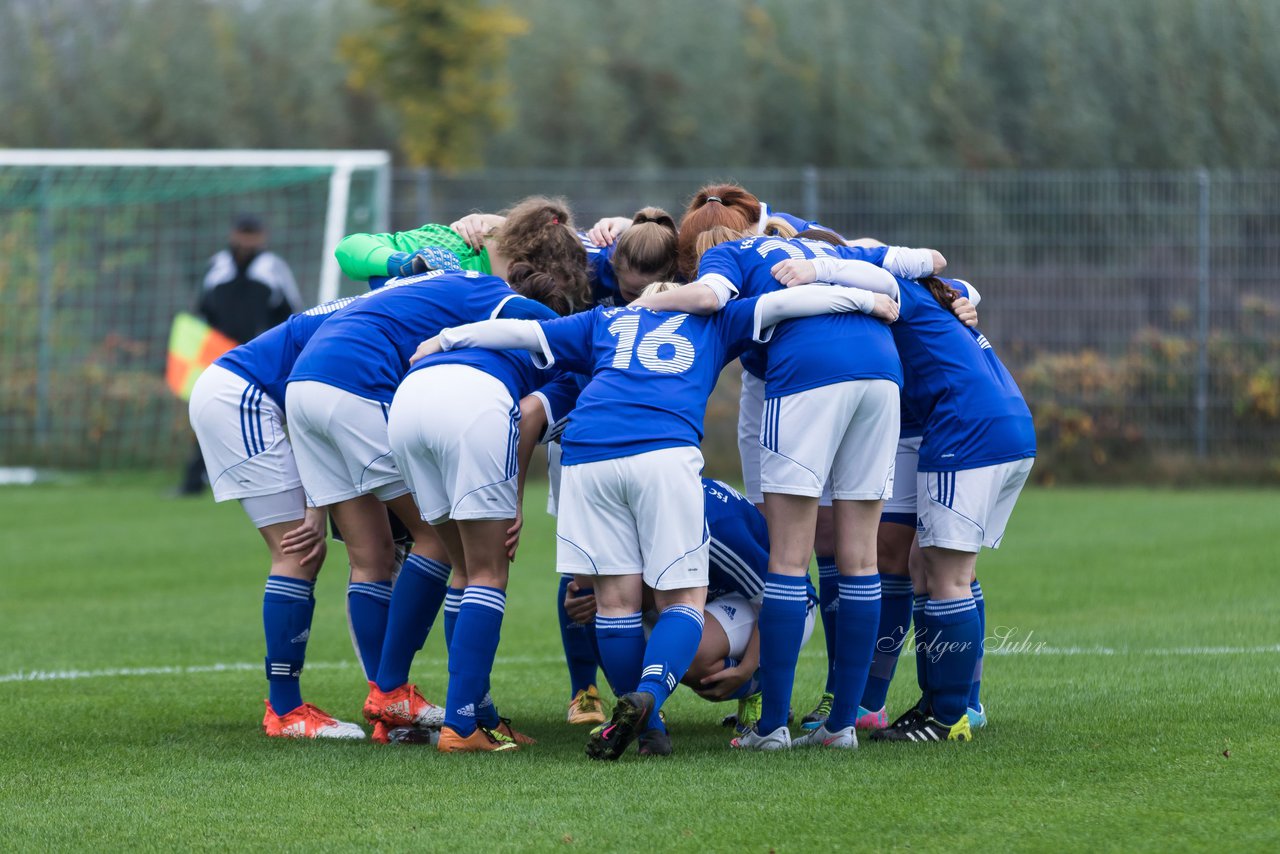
(877, 429)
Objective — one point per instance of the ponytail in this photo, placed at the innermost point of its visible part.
(541, 287)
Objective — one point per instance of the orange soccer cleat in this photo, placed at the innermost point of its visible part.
(307, 721)
(482, 740)
(404, 706)
(586, 707)
(504, 727)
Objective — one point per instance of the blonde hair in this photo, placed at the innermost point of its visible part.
(714, 236)
(648, 247)
(655, 288)
(776, 226)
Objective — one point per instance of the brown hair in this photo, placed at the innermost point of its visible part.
(776, 226)
(941, 291)
(648, 247)
(821, 234)
(725, 205)
(542, 287)
(538, 231)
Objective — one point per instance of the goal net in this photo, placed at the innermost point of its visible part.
(98, 252)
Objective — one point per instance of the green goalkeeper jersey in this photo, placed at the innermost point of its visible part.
(363, 256)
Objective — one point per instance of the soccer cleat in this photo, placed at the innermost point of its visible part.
(820, 713)
(586, 708)
(403, 706)
(779, 739)
(629, 718)
(655, 742)
(844, 739)
(307, 721)
(871, 721)
(481, 741)
(412, 735)
(928, 729)
(748, 713)
(504, 727)
(978, 716)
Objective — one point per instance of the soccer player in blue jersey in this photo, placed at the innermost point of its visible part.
(461, 463)
(831, 413)
(631, 499)
(237, 411)
(339, 394)
(976, 451)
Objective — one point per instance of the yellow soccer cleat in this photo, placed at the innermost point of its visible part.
(586, 707)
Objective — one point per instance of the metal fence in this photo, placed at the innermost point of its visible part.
(1139, 311)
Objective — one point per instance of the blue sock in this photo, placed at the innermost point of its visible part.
(920, 641)
(672, 645)
(578, 641)
(975, 699)
(746, 689)
(954, 635)
(367, 605)
(452, 599)
(782, 618)
(487, 711)
(829, 602)
(415, 601)
(471, 654)
(857, 624)
(621, 641)
(895, 618)
(287, 606)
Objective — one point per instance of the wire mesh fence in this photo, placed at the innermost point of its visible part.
(1139, 311)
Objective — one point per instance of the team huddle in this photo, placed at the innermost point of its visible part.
(878, 430)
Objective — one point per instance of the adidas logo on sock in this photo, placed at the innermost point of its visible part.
(486, 701)
(302, 638)
(467, 711)
(832, 607)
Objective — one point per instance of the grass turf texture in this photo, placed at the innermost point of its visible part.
(1084, 751)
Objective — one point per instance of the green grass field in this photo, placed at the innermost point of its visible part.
(1147, 720)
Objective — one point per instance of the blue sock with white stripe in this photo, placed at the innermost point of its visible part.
(920, 642)
(782, 619)
(672, 645)
(857, 623)
(954, 635)
(287, 606)
(471, 654)
(895, 618)
(415, 601)
(975, 699)
(621, 642)
(829, 602)
(578, 640)
(367, 606)
(452, 600)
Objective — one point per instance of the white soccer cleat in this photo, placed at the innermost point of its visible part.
(842, 739)
(779, 739)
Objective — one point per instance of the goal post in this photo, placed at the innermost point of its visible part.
(99, 249)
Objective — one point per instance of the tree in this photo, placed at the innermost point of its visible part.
(441, 65)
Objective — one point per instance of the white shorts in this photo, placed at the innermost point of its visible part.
(242, 437)
(340, 443)
(903, 500)
(847, 432)
(965, 510)
(640, 515)
(750, 411)
(454, 432)
(738, 616)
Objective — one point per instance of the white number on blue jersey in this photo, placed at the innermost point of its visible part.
(676, 360)
(793, 251)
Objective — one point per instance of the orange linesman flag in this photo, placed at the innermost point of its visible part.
(193, 346)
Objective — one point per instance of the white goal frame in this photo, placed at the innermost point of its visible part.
(342, 164)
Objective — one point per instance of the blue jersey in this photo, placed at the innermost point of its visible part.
(604, 281)
(972, 411)
(808, 352)
(739, 558)
(794, 221)
(651, 373)
(267, 360)
(559, 397)
(365, 347)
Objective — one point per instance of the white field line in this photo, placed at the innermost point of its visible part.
(245, 666)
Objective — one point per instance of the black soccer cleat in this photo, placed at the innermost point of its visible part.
(655, 742)
(630, 716)
(927, 729)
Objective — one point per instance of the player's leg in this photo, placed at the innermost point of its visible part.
(824, 547)
(371, 556)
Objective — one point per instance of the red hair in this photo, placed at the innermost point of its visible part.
(714, 206)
